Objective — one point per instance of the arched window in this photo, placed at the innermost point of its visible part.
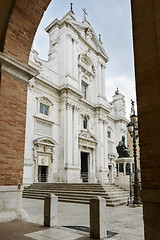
(86, 75)
(85, 122)
(84, 90)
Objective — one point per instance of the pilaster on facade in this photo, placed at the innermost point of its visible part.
(69, 135)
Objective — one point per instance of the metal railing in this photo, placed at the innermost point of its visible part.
(84, 176)
(42, 177)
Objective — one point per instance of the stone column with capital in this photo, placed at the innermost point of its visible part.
(69, 142)
(75, 136)
(102, 168)
(93, 166)
(105, 146)
(101, 150)
(75, 153)
(35, 164)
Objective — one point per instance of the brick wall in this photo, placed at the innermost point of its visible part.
(13, 95)
(146, 33)
(22, 26)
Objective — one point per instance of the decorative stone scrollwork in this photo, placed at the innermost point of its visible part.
(55, 42)
(87, 136)
(74, 40)
(104, 121)
(76, 108)
(45, 100)
(85, 64)
(31, 84)
(112, 157)
(72, 106)
(69, 105)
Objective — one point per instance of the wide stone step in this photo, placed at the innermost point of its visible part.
(84, 198)
(66, 187)
(78, 193)
(67, 193)
(111, 193)
(79, 189)
(113, 202)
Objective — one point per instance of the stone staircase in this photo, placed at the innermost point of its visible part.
(78, 192)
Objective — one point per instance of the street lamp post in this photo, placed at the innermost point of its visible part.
(133, 130)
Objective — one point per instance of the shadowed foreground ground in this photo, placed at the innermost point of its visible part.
(127, 222)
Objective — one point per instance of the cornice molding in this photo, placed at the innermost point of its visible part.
(61, 23)
(18, 70)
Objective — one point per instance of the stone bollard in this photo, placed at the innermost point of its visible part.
(50, 210)
(98, 218)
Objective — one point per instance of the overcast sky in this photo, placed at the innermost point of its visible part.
(111, 19)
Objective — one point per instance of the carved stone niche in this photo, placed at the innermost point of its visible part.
(44, 145)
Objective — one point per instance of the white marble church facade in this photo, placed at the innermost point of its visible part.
(71, 129)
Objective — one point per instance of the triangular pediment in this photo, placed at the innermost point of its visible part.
(89, 34)
(84, 30)
(45, 141)
(86, 135)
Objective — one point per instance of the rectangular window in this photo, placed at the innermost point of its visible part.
(84, 90)
(44, 109)
(108, 134)
(41, 108)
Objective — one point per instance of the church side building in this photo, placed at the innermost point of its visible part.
(71, 129)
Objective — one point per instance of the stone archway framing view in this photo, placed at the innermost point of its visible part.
(19, 22)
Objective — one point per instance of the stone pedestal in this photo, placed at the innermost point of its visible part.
(50, 210)
(122, 178)
(98, 218)
(11, 204)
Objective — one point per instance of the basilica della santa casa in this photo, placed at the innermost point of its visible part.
(71, 129)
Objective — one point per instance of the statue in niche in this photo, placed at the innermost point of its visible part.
(122, 150)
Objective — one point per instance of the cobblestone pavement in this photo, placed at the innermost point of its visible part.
(127, 222)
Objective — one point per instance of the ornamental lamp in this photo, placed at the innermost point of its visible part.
(133, 118)
(130, 128)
